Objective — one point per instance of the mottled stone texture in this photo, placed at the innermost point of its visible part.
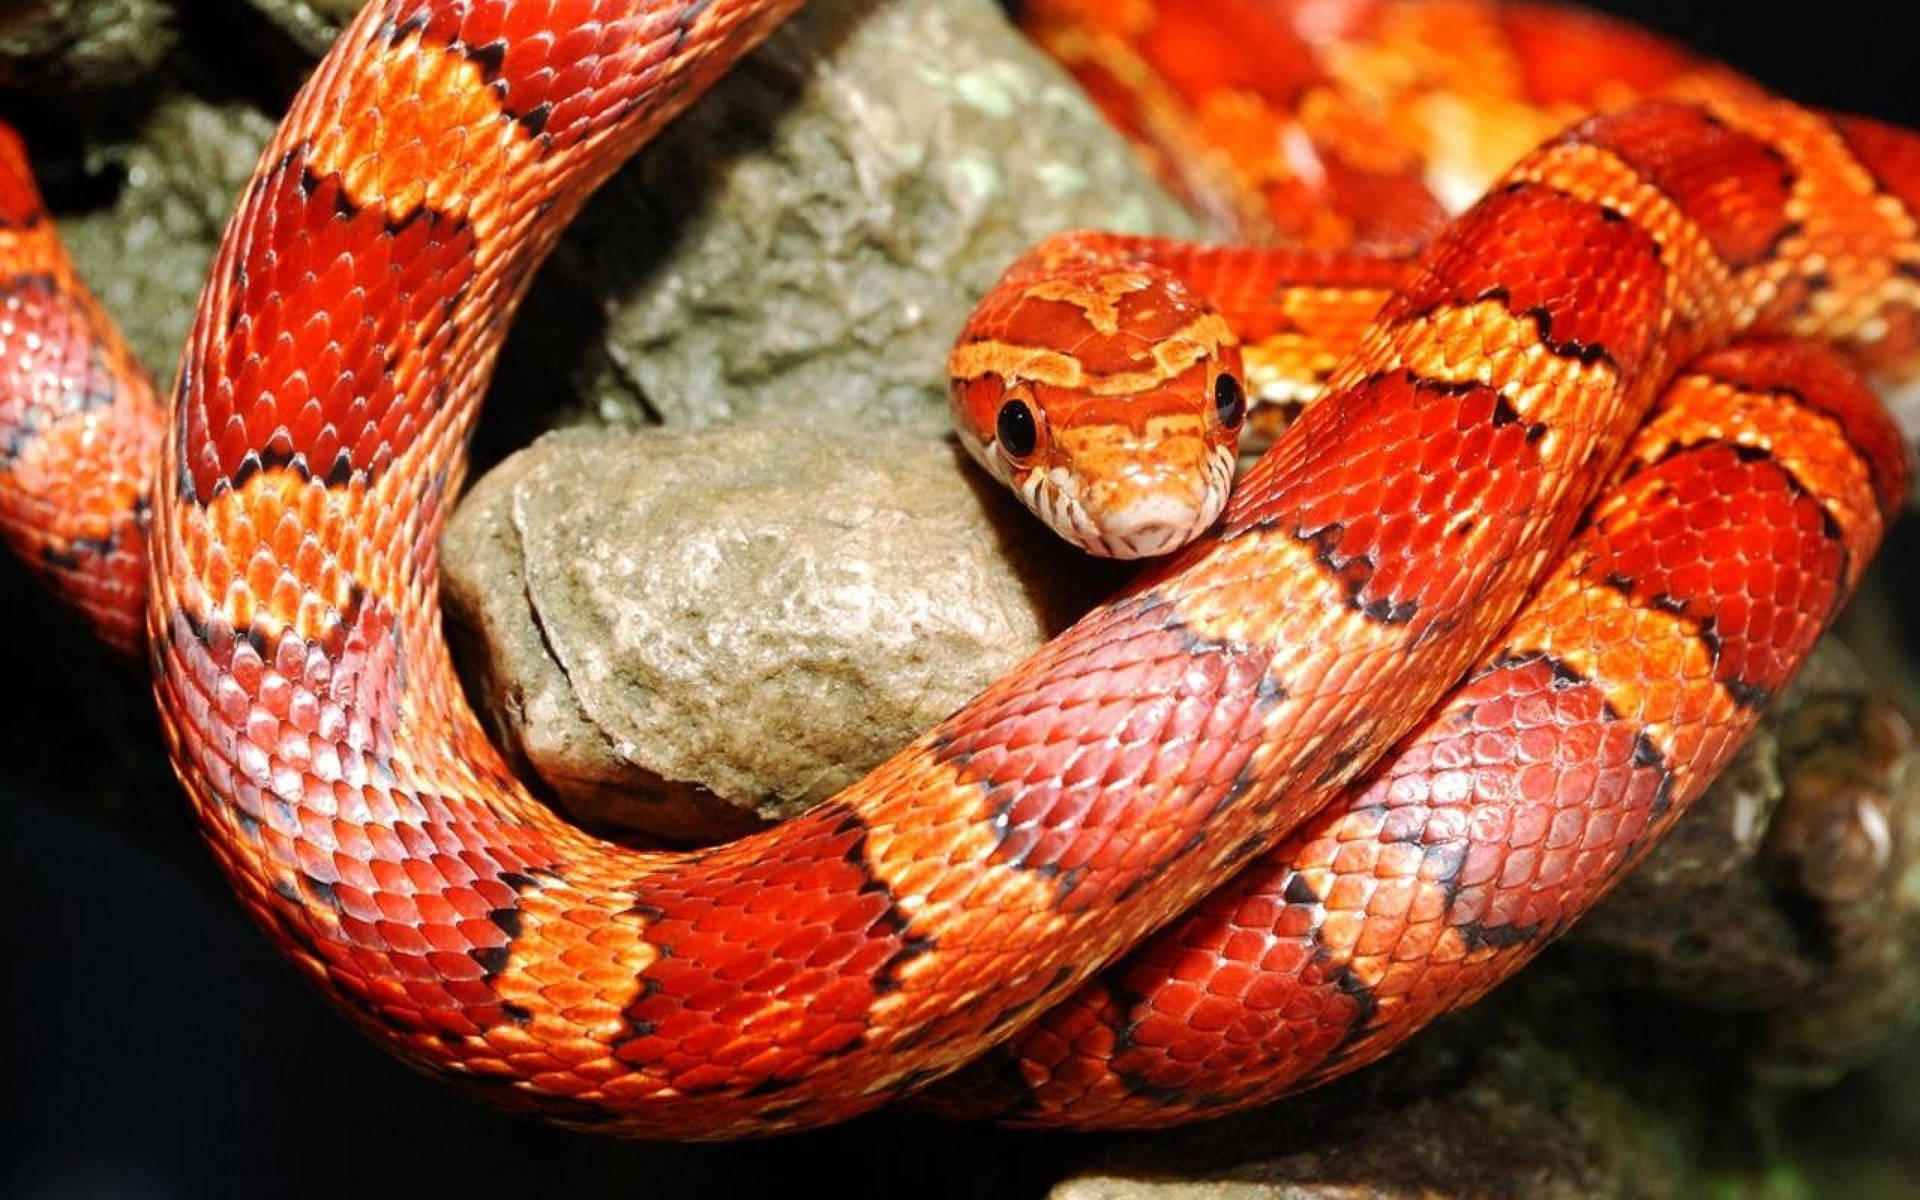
(64, 47)
(685, 632)
(146, 253)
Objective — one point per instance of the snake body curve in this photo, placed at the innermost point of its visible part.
(1173, 735)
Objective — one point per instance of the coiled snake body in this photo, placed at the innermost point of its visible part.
(979, 878)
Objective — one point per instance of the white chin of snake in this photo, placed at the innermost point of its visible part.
(1151, 525)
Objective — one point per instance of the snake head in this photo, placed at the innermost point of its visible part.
(1107, 394)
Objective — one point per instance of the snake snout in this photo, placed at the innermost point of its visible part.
(1156, 497)
(1151, 525)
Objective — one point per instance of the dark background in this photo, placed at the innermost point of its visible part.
(151, 1044)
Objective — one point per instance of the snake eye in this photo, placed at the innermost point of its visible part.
(1016, 428)
(1229, 401)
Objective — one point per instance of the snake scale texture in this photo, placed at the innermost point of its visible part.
(1207, 738)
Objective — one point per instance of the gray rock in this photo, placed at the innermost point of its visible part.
(806, 241)
(146, 255)
(810, 236)
(686, 632)
(62, 47)
(312, 24)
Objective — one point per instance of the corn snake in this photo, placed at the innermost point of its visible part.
(345, 945)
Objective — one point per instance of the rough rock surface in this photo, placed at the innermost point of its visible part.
(146, 253)
(810, 237)
(806, 240)
(311, 24)
(686, 631)
(66, 46)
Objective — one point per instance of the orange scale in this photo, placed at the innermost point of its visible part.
(1537, 749)
(1556, 868)
(358, 917)
(562, 1081)
(409, 839)
(1415, 942)
(1376, 937)
(352, 837)
(1297, 921)
(1231, 980)
(1592, 864)
(1171, 1005)
(592, 964)
(850, 952)
(1203, 1026)
(422, 877)
(1433, 896)
(1302, 997)
(1346, 899)
(583, 1057)
(1494, 747)
(1518, 868)
(315, 862)
(440, 843)
(1448, 784)
(1445, 822)
(1581, 782)
(385, 876)
(1392, 898)
(447, 909)
(1418, 979)
(469, 1001)
(1529, 824)
(1073, 1033)
(448, 964)
(1255, 914)
(397, 910)
(1269, 995)
(1398, 860)
(571, 997)
(316, 834)
(233, 701)
(1569, 828)
(1363, 821)
(1352, 860)
(426, 1000)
